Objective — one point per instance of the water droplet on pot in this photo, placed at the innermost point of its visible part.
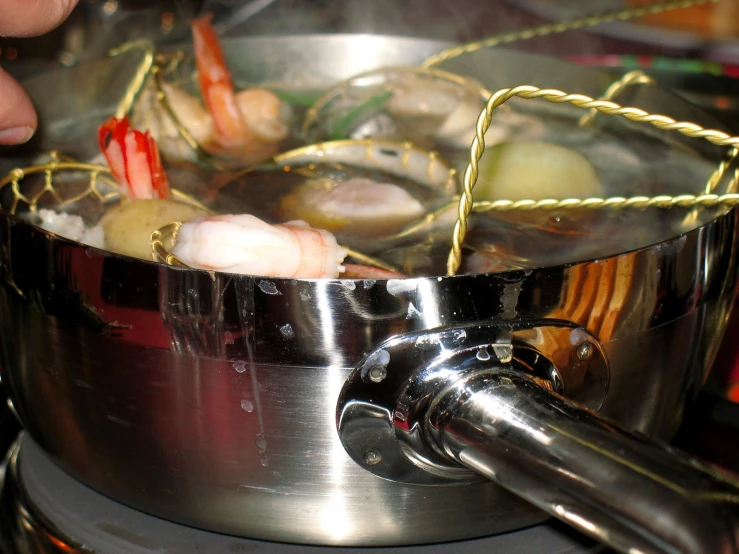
(268, 287)
(287, 331)
(247, 405)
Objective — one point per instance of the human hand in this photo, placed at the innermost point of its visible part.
(24, 18)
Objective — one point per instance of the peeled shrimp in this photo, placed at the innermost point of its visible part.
(245, 244)
(360, 206)
(247, 125)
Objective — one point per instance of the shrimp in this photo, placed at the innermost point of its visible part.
(232, 243)
(134, 161)
(356, 271)
(246, 126)
(245, 244)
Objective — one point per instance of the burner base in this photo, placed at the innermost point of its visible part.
(44, 510)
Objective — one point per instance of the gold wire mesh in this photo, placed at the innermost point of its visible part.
(100, 184)
(555, 28)
(606, 107)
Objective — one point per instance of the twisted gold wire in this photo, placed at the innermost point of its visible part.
(157, 66)
(723, 167)
(163, 100)
(160, 252)
(368, 260)
(714, 180)
(554, 28)
(636, 77)
(477, 149)
(143, 70)
(615, 202)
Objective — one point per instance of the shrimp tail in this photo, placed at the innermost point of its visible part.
(134, 160)
(216, 85)
(355, 271)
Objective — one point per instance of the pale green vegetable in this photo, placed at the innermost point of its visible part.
(128, 227)
(535, 170)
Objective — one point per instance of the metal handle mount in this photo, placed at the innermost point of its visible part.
(491, 401)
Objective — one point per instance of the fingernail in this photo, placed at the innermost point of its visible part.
(16, 135)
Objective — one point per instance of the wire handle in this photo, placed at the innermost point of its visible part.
(556, 28)
(606, 107)
(636, 77)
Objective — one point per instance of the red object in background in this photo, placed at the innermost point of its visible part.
(726, 367)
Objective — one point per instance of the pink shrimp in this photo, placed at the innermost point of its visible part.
(248, 245)
(249, 123)
(356, 271)
(134, 161)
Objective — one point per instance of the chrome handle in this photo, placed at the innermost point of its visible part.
(622, 488)
(463, 402)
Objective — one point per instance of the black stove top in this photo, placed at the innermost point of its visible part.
(44, 510)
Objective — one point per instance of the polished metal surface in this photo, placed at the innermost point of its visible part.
(464, 401)
(619, 487)
(383, 406)
(210, 400)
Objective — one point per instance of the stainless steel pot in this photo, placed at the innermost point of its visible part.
(215, 400)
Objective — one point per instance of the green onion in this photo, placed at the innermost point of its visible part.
(341, 128)
(297, 99)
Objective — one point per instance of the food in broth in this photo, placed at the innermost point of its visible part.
(374, 195)
(535, 170)
(246, 126)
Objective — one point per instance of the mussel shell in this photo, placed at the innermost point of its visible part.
(373, 104)
(399, 159)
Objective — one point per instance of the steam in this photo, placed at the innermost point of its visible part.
(448, 20)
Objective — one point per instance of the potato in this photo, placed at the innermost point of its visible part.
(128, 227)
(535, 170)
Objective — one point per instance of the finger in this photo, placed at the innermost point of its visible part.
(17, 116)
(24, 18)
